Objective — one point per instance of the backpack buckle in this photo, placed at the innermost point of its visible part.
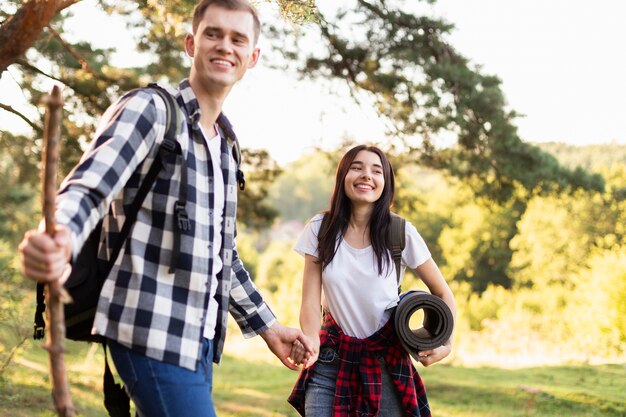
(169, 145)
(38, 332)
(181, 216)
(241, 180)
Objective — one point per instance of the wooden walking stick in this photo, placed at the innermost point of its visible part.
(55, 293)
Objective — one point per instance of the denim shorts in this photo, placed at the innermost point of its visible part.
(320, 388)
(160, 389)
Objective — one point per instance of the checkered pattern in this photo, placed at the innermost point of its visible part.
(359, 381)
(142, 305)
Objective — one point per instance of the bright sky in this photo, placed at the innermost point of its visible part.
(562, 64)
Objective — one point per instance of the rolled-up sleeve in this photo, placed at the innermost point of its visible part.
(250, 311)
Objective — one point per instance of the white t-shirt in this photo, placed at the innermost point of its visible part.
(218, 208)
(358, 297)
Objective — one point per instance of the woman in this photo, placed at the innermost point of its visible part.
(359, 367)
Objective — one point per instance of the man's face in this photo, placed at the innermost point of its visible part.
(222, 47)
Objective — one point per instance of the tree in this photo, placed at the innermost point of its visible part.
(425, 88)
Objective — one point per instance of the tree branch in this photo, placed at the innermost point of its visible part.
(21, 116)
(85, 66)
(20, 31)
(33, 68)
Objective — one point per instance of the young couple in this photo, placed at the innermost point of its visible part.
(165, 327)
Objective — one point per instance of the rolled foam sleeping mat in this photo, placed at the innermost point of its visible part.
(436, 327)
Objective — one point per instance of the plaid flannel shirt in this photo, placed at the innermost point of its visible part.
(142, 305)
(359, 381)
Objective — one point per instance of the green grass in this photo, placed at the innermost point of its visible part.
(562, 391)
(25, 384)
(247, 389)
(258, 388)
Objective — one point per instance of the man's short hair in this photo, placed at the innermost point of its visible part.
(243, 5)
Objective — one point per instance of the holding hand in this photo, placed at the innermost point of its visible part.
(280, 339)
(301, 356)
(428, 357)
(44, 257)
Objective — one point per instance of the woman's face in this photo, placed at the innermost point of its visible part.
(365, 181)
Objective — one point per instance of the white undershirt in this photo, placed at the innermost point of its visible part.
(358, 297)
(218, 209)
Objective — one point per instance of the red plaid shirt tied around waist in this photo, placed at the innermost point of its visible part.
(359, 381)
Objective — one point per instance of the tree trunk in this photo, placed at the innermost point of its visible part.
(20, 31)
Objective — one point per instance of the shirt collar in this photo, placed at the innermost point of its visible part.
(189, 102)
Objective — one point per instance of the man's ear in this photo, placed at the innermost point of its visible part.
(254, 58)
(189, 44)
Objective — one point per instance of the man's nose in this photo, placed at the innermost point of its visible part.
(225, 45)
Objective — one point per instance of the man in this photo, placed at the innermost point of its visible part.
(165, 326)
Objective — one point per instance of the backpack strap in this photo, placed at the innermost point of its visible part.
(174, 121)
(39, 324)
(398, 242)
(227, 128)
(116, 401)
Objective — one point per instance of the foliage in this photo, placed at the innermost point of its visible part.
(305, 187)
(549, 249)
(14, 330)
(17, 212)
(589, 157)
(425, 197)
(601, 293)
(253, 208)
(280, 278)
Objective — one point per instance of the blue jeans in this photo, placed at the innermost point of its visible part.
(160, 389)
(320, 388)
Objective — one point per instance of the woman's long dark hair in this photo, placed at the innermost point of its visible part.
(338, 216)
